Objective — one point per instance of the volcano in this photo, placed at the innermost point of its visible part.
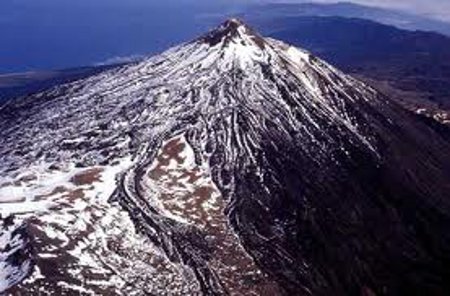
(230, 165)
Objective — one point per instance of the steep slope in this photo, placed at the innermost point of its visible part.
(410, 67)
(410, 61)
(247, 166)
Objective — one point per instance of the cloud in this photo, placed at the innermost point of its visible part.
(433, 8)
(438, 9)
(120, 60)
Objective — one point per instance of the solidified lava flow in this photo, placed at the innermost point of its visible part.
(231, 165)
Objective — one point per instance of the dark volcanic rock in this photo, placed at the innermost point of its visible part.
(331, 187)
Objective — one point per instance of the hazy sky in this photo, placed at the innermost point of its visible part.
(439, 9)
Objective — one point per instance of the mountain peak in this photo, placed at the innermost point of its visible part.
(233, 23)
(230, 146)
(231, 30)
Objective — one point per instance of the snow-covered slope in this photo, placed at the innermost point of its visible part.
(210, 77)
(244, 164)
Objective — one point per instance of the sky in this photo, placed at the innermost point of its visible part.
(438, 9)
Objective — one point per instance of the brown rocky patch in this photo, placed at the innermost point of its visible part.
(87, 177)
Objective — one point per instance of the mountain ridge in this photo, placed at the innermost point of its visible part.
(318, 183)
